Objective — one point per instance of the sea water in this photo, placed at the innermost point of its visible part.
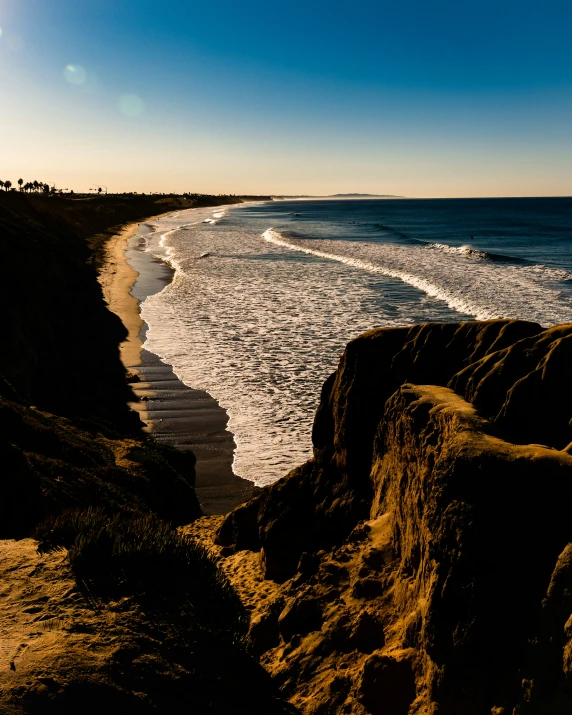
(266, 296)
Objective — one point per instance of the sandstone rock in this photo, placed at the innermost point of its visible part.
(240, 528)
(559, 592)
(376, 559)
(264, 633)
(320, 503)
(308, 564)
(436, 470)
(332, 573)
(523, 388)
(336, 692)
(368, 588)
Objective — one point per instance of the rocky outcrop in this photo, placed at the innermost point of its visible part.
(431, 530)
(488, 363)
(477, 526)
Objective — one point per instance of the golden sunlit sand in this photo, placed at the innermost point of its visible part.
(117, 278)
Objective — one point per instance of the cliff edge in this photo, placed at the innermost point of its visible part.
(421, 560)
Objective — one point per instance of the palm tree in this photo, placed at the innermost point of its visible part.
(20, 182)
(1, 184)
(7, 185)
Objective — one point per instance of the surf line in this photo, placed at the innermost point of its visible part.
(215, 219)
(454, 302)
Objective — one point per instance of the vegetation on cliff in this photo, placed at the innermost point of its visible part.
(54, 463)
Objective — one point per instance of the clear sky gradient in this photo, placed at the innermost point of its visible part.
(443, 98)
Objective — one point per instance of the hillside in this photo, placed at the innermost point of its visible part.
(60, 340)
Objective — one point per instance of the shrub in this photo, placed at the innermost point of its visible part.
(143, 557)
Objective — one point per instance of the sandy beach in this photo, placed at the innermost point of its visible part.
(174, 414)
(117, 278)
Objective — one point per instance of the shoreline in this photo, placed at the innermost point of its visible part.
(175, 414)
(117, 279)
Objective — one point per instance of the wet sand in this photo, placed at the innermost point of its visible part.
(186, 418)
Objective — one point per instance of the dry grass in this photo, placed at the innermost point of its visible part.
(142, 557)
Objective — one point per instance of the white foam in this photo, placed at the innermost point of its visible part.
(459, 250)
(486, 290)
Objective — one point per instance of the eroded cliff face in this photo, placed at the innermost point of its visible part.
(422, 558)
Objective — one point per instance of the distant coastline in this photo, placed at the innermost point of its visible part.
(338, 196)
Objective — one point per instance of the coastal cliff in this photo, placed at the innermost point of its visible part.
(104, 606)
(421, 560)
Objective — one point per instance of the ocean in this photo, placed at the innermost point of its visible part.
(266, 296)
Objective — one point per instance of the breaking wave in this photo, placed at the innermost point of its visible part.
(489, 290)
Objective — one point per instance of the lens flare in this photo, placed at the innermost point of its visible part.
(75, 74)
(130, 105)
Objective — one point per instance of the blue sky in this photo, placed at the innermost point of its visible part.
(416, 99)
